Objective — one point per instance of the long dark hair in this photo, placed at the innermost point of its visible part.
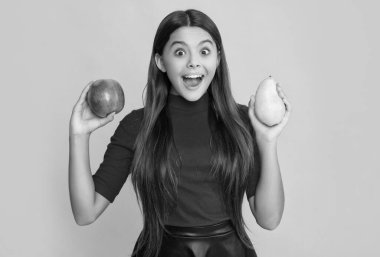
(232, 145)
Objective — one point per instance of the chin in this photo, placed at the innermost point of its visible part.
(193, 95)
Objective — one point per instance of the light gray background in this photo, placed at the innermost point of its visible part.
(325, 54)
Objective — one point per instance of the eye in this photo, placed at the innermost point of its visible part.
(205, 51)
(179, 52)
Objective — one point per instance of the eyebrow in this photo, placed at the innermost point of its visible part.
(183, 43)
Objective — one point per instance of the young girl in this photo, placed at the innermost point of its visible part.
(192, 151)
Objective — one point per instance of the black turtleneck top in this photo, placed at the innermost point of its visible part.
(199, 199)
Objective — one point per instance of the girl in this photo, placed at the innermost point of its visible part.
(192, 152)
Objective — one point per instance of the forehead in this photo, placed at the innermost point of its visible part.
(192, 36)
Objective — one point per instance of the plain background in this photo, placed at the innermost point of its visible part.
(324, 53)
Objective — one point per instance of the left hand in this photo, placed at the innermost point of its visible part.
(264, 132)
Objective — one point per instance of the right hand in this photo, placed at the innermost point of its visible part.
(82, 120)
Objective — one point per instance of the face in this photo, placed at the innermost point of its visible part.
(190, 59)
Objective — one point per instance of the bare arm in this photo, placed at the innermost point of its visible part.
(267, 205)
(81, 185)
(86, 204)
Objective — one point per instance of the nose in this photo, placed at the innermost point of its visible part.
(193, 61)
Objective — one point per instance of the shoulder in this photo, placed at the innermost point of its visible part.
(242, 107)
(243, 111)
(133, 118)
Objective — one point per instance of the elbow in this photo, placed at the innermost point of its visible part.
(269, 226)
(83, 221)
(82, 216)
(270, 223)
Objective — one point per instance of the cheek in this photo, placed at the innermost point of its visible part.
(212, 66)
(211, 69)
(173, 72)
(173, 68)
(212, 61)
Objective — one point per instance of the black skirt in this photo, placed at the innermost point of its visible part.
(215, 240)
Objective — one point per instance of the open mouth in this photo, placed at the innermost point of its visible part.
(192, 80)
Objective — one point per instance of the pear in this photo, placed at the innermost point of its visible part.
(269, 107)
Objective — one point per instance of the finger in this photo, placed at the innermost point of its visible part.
(83, 95)
(81, 103)
(283, 93)
(286, 116)
(251, 105)
(251, 100)
(280, 91)
(285, 119)
(287, 105)
(252, 115)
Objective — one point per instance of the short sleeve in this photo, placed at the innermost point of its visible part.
(254, 174)
(115, 168)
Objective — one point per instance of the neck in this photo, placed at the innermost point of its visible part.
(180, 103)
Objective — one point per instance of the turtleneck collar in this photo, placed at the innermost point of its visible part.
(179, 103)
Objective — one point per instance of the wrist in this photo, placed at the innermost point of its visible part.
(264, 143)
(79, 136)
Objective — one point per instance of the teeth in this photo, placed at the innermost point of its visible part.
(193, 76)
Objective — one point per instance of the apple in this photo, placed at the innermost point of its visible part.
(105, 96)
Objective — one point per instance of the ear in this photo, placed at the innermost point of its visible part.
(218, 59)
(159, 62)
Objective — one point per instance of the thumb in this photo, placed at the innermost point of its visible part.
(251, 111)
(251, 101)
(107, 119)
(111, 116)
